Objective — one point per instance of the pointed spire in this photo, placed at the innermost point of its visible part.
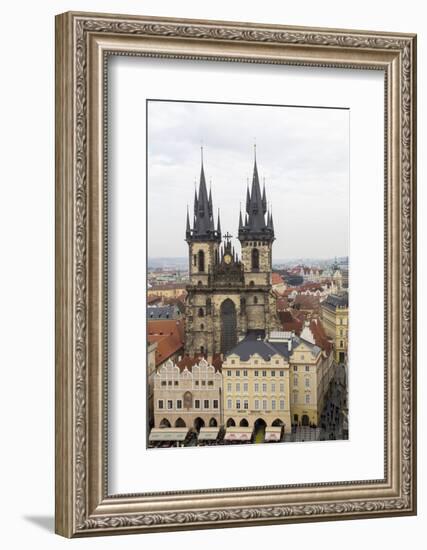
(210, 198)
(195, 198)
(204, 224)
(240, 218)
(264, 200)
(271, 219)
(248, 197)
(257, 218)
(187, 229)
(256, 210)
(210, 209)
(218, 227)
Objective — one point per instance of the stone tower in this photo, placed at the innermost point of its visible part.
(256, 236)
(227, 298)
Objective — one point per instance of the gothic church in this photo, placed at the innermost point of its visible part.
(229, 297)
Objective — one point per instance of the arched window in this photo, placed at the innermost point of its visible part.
(255, 300)
(201, 312)
(202, 326)
(201, 256)
(228, 325)
(251, 283)
(255, 259)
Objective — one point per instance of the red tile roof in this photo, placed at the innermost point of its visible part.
(319, 334)
(289, 322)
(169, 335)
(276, 279)
(306, 302)
(282, 303)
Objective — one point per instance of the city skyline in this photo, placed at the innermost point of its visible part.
(301, 152)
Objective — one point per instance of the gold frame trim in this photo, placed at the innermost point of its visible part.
(83, 41)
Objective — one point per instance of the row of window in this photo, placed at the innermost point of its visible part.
(258, 404)
(239, 404)
(196, 382)
(256, 386)
(264, 373)
(169, 404)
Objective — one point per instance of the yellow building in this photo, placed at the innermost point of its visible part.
(256, 385)
(276, 382)
(334, 311)
(307, 364)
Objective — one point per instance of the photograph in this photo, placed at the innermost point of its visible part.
(247, 273)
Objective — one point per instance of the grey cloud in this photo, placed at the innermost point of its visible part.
(303, 154)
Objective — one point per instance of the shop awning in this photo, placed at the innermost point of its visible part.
(273, 433)
(238, 434)
(168, 434)
(208, 434)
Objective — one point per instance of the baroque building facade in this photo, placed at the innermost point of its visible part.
(281, 381)
(187, 397)
(228, 296)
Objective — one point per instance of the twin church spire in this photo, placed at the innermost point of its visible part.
(258, 224)
(203, 219)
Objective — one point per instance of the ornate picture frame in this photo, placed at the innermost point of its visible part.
(84, 506)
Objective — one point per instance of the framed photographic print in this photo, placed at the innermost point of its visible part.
(235, 274)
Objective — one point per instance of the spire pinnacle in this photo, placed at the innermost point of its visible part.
(187, 229)
(264, 199)
(258, 218)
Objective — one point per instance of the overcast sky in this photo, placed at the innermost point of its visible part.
(303, 153)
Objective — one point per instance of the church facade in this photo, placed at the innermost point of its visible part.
(229, 296)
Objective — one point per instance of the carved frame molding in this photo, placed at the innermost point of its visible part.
(83, 43)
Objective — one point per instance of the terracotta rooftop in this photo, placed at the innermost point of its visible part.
(319, 334)
(289, 322)
(169, 335)
(306, 302)
(276, 279)
(282, 303)
(310, 286)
